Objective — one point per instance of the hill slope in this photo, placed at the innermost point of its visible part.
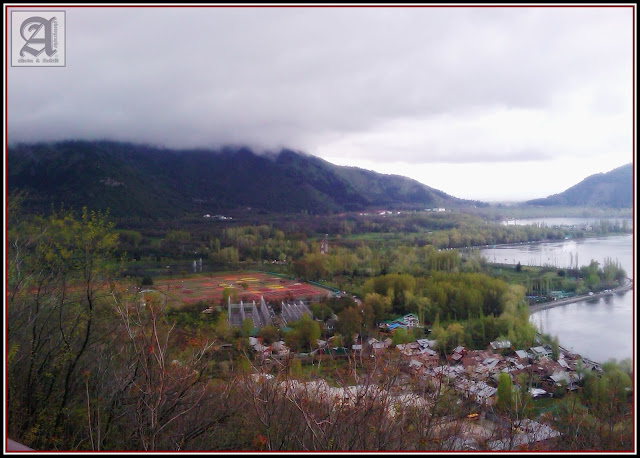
(613, 189)
(144, 181)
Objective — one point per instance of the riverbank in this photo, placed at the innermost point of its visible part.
(547, 305)
(587, 236)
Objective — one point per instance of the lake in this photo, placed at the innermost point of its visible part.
(599, 329)
(566, 253)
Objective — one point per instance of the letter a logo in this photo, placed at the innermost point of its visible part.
(38, 38)
(36, 27)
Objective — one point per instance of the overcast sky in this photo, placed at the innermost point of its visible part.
(498, 103)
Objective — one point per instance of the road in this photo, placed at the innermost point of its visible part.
(547, 305)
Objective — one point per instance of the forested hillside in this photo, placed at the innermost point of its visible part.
(146, 181)
(612, 189)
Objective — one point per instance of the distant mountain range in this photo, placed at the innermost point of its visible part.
(135, 180)
(613, 189)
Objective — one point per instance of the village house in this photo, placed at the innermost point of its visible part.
(409, 349)
(522, 356)
(500, 345)
(549, 374)
(378, 347)
(429, 358)
(458, 354)
(410, 320)
(420, 352)
(407, 321)
(416, 367)
(538, 393)
(483, 364)
(450, 372)
(280, 349)
(539, 352)
(514, 363)
(393, 325)
(426, 343)
(479, 391)
(570, 380)
(262, 350)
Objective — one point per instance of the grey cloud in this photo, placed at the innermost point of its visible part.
(272, 77)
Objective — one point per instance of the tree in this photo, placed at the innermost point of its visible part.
(247, 327)
(456, 334)
(600, 417)
(304, 334)
(513, 407)
(163, 395)
(336, 341)
(309, 331)
(368, 317)
(269, 334)
(57, 268)
(400, 336)
(175, 241)
(505, 393)
(555, 348)
(321, 311)
(295, 368)
(349, 323)
(380, 304)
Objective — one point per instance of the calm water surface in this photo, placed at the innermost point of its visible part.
(566, 253)
(598, 329)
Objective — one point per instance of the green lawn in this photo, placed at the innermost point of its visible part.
(541, 405)
(326, 370)
(372, 236)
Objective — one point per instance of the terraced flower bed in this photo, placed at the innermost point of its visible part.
(240, 286)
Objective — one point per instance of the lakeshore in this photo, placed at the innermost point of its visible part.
(551, 304)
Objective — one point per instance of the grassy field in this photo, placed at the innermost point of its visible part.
(372, 236)
(541, 405)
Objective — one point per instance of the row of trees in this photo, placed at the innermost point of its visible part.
(292, 241)
(542, 281)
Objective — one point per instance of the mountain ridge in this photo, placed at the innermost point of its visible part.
(149, 181)
(611, 189)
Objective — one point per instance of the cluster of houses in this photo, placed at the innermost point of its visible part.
(475, 373)
(472, 373)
